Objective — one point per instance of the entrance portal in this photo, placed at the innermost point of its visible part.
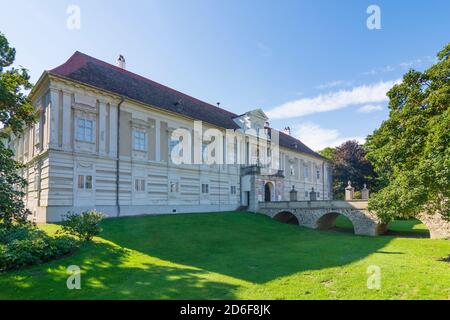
(268, 188)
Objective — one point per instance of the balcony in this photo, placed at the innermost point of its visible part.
(261, 170)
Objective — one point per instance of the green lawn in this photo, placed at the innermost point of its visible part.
(237, 256)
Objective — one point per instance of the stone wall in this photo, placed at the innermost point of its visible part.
(439, 227)
(323, 214)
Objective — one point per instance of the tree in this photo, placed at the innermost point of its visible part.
(16, 113)
(349, 163)
(411, 150)
(328, 153)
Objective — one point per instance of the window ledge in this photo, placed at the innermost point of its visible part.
(85, 141)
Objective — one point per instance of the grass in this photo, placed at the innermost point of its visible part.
(236, 256)
(405, 228)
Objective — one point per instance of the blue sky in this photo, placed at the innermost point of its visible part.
(312, 65)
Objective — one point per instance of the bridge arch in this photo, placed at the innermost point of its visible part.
(323, 215)
(328, 220)
(286, 217)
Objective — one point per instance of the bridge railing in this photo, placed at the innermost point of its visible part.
(307, 204)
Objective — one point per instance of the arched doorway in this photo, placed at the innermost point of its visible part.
(268, 189)
(286, 217)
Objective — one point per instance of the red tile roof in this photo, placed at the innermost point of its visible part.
(89, 70)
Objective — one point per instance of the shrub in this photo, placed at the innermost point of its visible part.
(85, 225)
(26, 245)
(357, 195)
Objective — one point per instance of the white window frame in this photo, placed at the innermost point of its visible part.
(37, 132)
(83, 184)
(306, 171)
(83, 126)
(139, 140)
(139, 185)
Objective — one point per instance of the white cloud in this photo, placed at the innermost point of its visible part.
(318, 138)
(332, 84)
(365, 94)
(410, 63)
(368, 108)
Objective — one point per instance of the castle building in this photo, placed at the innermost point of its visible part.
(115, 141)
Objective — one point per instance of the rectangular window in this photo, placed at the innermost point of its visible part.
(292, 171)
(205, 153)
(318, 195)
(140, 140)
(306, 172)
(233, 189)
(84, 182)
(318, 174)
(175, 147)
(85, 130)
(36, 181)
(173, 187)
(139, 185)
(80, 182)
(235, 151)
(88, 183)
(205, 188)
(37, 134)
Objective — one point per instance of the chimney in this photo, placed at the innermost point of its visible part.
(121, 62)
(287, 130)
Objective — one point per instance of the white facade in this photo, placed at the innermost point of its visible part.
(77, 158)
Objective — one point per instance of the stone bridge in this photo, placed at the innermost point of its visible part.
(323, 214)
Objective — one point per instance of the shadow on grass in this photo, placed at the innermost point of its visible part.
(106, 273)
(408, 229)
(245, 246)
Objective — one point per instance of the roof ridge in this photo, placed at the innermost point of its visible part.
(139, 77)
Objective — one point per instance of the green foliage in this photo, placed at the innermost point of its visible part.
(85, 225)
(328, 153)
(24, 245)
(349, 163)
(12, 207)
(411, 150)
(16, 112)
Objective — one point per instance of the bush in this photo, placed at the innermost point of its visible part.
(26, 245)
(85, 225)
